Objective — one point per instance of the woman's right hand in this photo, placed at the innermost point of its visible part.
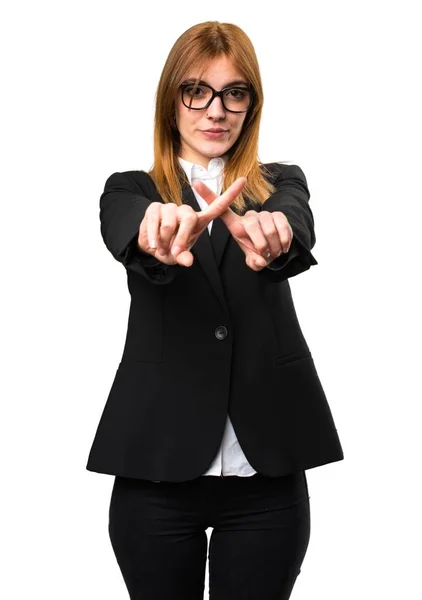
(169, 231)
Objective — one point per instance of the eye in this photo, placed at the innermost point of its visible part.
(236, 93)
(194, 91)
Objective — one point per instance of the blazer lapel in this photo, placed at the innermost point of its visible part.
(203, 251)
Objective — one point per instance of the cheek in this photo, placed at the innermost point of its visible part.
(237, 126)
(179, 118)
(185, 121)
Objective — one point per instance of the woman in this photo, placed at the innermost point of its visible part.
(216, 408)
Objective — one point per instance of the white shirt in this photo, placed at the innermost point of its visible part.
(212, 177)
(230, 459)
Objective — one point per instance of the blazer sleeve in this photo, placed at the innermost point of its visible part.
(123, 204)
(291, 197)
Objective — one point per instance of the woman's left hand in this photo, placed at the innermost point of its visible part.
(262, 236)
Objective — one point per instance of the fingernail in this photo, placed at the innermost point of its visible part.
(153, 244)
(175, 251)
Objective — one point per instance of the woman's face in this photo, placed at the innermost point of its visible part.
(198, 143)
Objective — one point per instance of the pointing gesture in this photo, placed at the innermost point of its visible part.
(262, 236)
(169, 231)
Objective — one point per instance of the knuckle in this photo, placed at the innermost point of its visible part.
(185, 208)
(269, 230)
(189, 218)
(153, 213)
(261, 246)
(280, 218)
(167, 226)
(154, 206)
(249, 224)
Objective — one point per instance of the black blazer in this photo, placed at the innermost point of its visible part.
(211, 339)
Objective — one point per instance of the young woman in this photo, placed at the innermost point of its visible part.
(216, 409)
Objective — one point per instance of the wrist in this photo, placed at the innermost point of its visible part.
(145, 258)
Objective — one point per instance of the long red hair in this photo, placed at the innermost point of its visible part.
(194, 49)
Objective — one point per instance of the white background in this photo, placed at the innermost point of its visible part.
(343, 101)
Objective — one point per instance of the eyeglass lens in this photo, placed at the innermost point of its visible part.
(234, 98)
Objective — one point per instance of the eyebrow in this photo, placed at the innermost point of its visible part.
(229, 84)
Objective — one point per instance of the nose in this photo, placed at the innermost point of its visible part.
(216, 109)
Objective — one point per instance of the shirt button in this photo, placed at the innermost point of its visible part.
(221, 332)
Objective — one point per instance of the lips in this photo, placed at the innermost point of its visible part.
(214, 133)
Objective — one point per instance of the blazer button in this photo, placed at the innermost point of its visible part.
(221, 332)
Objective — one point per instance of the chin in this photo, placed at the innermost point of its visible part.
(215, 150)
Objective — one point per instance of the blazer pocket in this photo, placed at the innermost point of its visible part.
(286, 358)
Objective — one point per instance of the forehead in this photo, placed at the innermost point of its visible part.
(218, 71)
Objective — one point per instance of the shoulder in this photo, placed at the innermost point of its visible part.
(138, 182)
(276, 172)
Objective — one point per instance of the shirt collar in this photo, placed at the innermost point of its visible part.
(215, 168)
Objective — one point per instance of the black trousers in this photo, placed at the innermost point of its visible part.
(261, 530)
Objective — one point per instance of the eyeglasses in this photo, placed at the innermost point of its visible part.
(235, 99)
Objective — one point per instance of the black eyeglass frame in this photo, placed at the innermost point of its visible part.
(219, 94)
